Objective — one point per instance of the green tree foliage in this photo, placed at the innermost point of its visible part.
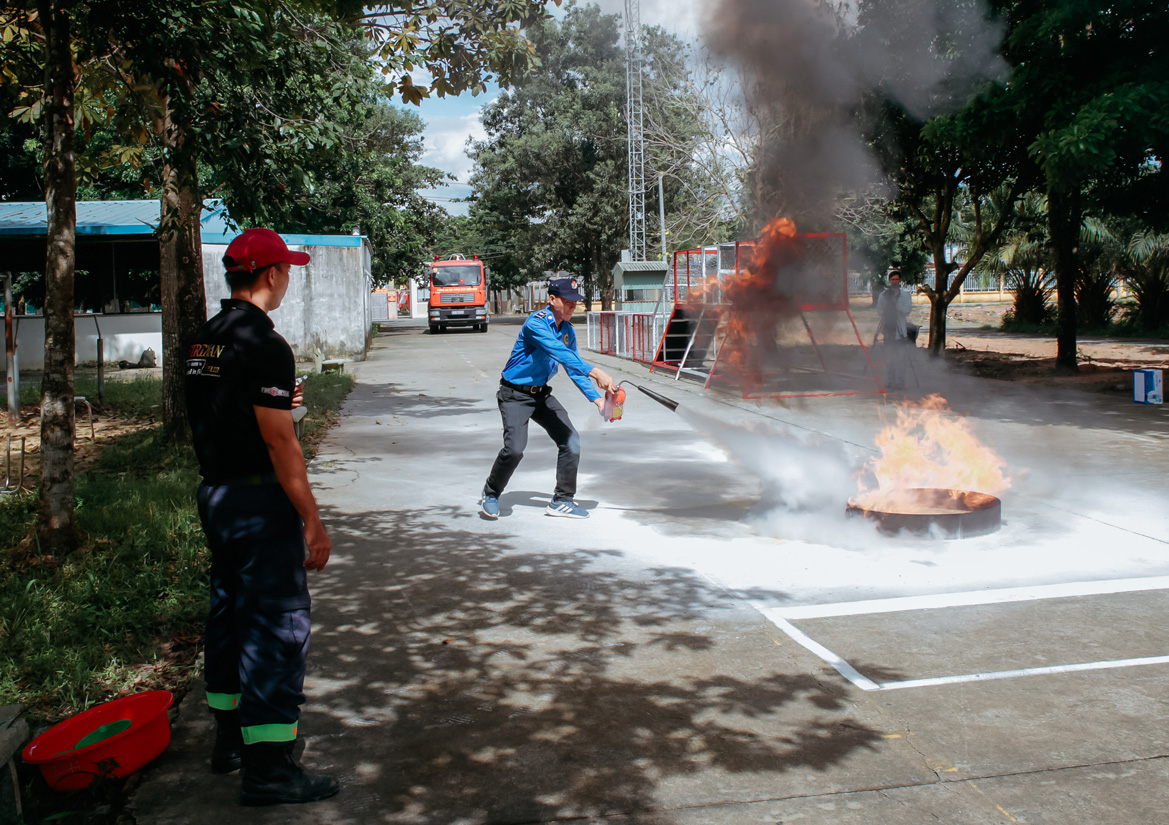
(1098, 252)
(550, 179)
(1122, 251)
(21, 175)
(363, 173)
(460, 235)
(461, 44)
(248, 82)
(1090, 87)
(373, 184)
(950, 146)
(880, 236)
(1023, 260)
(1145, 269)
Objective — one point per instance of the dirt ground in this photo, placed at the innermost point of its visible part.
(105, 429)
(97, 425)
(1106, 364)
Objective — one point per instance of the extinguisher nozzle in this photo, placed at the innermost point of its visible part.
(668, 403)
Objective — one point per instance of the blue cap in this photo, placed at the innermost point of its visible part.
(566, 288)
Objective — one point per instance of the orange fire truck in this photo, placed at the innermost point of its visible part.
(458, 293)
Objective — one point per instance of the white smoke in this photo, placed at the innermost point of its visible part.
(805, 480)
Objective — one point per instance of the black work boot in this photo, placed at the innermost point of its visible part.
(271, 777)
(229, 742)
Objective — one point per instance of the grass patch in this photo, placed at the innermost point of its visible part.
(82, 629)
(125, 612)
(111, 618)
(135, 398)
(323, 395)
(1011, 324)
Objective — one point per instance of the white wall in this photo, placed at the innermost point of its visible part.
(124, 338)
(325, 313)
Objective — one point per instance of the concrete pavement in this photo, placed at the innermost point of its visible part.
(684, 655)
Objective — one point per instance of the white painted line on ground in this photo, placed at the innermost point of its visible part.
(974, 597)
(842, 667)
(782, 618)
(1027, 671)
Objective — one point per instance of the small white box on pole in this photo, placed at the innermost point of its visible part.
(1148, 387)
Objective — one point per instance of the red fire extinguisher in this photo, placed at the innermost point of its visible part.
(614, 404)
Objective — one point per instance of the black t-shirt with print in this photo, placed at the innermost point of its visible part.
(236, 361)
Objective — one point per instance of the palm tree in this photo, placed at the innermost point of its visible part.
(1098, 257)
(1145, 270)
(1023, 261)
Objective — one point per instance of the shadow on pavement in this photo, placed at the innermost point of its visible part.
(453, 677)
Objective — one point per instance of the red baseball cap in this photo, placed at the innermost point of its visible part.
(258, 248)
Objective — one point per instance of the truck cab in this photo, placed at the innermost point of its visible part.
(458, 294)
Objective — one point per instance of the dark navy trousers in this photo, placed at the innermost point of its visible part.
(517, 408)
(258, 627)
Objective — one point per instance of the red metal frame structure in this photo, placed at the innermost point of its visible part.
(702, 321)
(683, 261)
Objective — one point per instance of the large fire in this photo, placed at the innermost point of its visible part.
(927, 446)
(755, 303)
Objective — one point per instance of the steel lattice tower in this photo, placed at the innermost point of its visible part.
(635, 118)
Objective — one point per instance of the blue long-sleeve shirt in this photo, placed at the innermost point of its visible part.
(541, 346)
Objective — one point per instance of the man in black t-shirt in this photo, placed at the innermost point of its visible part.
(260, 519)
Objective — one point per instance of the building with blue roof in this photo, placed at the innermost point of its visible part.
(325, 316)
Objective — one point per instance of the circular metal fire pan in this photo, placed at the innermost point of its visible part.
(977, 514)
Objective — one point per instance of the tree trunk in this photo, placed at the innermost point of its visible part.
(55, 529)
(939, 301)
(184, 299)
(1064, 216)
(938, 307)
(604, 285)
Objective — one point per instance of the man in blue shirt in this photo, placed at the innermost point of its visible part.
(546, 341)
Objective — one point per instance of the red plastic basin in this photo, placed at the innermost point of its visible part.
(112, 739)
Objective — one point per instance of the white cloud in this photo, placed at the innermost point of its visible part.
(450, 123)
(445, 143)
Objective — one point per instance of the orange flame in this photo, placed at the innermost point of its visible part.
(754, 306)
(928, 446)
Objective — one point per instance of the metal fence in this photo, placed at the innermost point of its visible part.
(633, 335)
(982, 282)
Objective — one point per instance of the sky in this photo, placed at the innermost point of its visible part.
(451, 121)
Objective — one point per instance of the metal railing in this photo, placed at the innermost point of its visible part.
(633, 335)
(982, 282)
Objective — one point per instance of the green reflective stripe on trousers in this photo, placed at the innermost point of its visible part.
(269, 733)
(223, 701)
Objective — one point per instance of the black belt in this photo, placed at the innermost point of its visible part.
(243, 481)
(530, 389)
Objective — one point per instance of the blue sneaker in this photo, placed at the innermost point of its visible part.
(489, 507)
(565, 509)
